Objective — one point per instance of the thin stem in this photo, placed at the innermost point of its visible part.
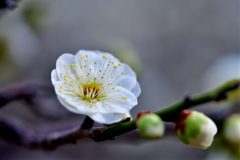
(87, 123)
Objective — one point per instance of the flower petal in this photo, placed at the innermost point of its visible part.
(116, 104)
(113, 105)
(108, 118)
(54, 76)
(71, 100)
(136, 90)
(109, 56)
(127, 80)
(64, 59)
(130, 96)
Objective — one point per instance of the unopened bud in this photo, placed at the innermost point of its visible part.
(195, 129)
(150, 125)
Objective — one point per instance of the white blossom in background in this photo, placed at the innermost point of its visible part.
(225, 68)
(195, 129)
(95, 84)
(231, 131)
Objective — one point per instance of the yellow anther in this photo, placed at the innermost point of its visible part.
(119, 84)
(111, 76)
(90, 69)
(119, 64)
(88, 74)
(60, 91)
(65, 83)
(84, 65)
(67, 65)
(75, 70)
(73, 65)
(61, 87)
(68, 76)
(75, 57)
(124, 97)
(95, 62)
(78, 77)
(115, 67)
(123, 73)
(113, 88)
(71, 81)
(103, 73)
(65, 79)
(102, 77)
(75, 80)
(106, 98)
(82, 56)
(100, 70)
(81, 76)
(109, 61)
(86, 55)
(67, 68)
(81, 66)
(85, 60)
(105, 57)
(118, 90)
(112, 62)
(71, 84)
(74, 90)
(108, 64)
(109, 70)
(65, 76)
(95, 79)
(90, 106)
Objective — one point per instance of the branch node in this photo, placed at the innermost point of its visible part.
(188, 99)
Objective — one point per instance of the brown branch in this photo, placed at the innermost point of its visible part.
(29, 139)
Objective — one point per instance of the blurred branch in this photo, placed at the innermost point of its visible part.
(31, 139)
(16, 92)
(9, 4)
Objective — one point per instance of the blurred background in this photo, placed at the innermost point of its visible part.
(176, 47)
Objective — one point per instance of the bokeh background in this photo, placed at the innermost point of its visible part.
(171, 44)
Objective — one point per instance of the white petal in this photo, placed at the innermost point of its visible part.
(130, 96)
(106, 118)
(213, 126)
(116, 101)
(114, 105)
(68, 106)
(71, 101)
(54, 76)
(128, 80)
(109, 56)
(64, 59)
(136, 90)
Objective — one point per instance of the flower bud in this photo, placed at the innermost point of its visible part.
(195, 129)
(150, 125)
(231, 131)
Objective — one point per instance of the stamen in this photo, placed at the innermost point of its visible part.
(124, 97)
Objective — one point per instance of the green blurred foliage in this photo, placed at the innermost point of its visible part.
(36, 14)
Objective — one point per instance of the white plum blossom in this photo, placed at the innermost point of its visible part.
(95, 84)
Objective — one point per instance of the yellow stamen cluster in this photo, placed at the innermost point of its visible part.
(91, 84)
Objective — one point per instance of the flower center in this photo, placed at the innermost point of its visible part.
(91, 84)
